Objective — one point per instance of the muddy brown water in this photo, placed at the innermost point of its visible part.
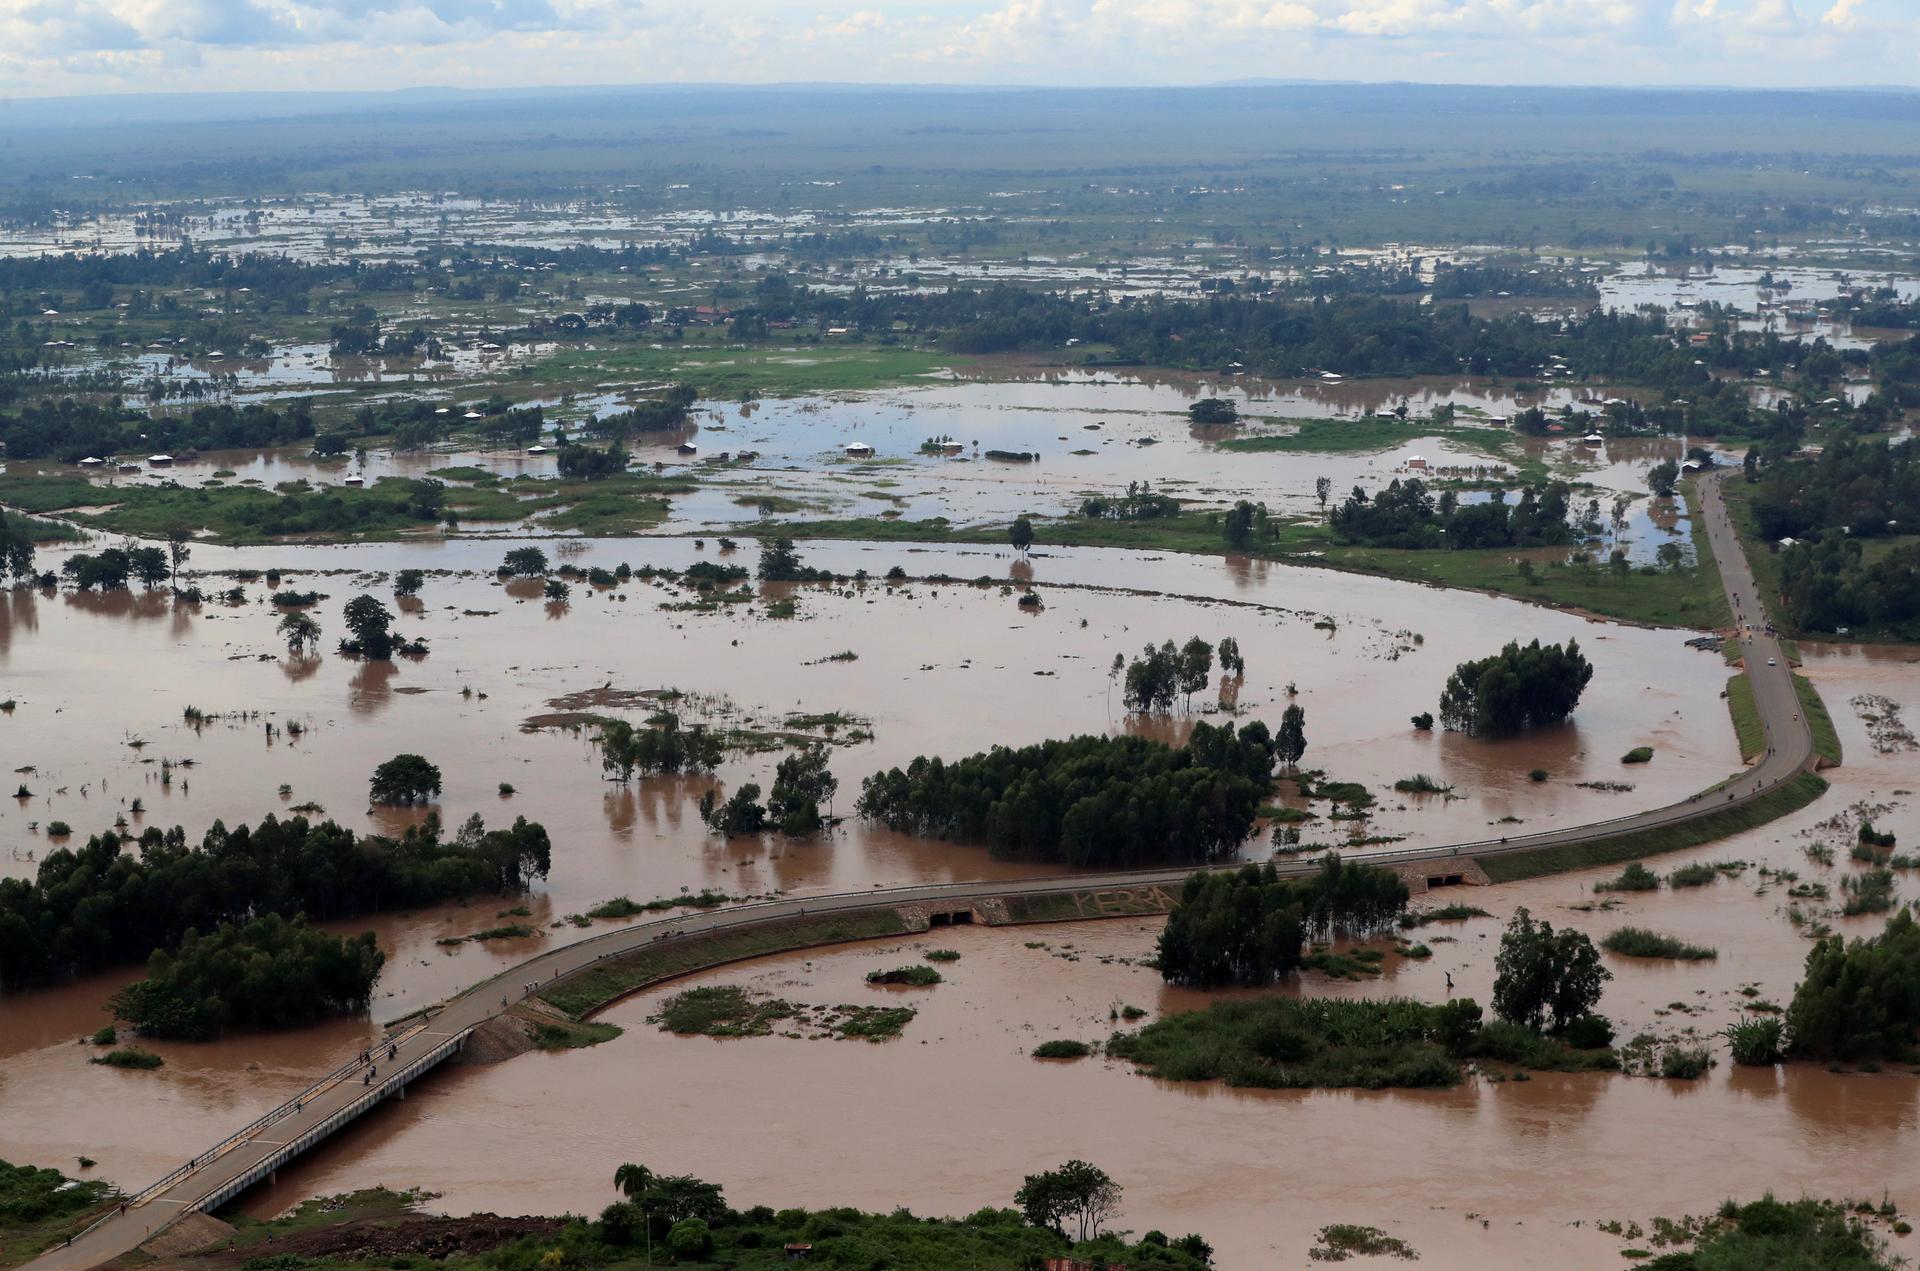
(996, 1114)
(951, 1115)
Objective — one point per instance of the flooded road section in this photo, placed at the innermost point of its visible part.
(951, 1115)
(944, 669)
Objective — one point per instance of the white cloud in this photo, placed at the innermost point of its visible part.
(47, 44)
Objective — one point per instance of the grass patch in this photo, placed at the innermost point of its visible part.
(919, 977)
(580, 995)
(1445, 913)
(1826, 740)
(1698, 874)
(549, 1035)
(1421, 783)
(129, 1057)
(1343, 1240)
(1635, 877)
(1747, 728)
(942, 955)
(1638, 942)
(1284, 1043)
(721, 1010)
(1062, 1048)
(1776, 803)
(1639, 754)
(1371, 435)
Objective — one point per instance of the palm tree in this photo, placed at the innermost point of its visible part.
(633, 1180)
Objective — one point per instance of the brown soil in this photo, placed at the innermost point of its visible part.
(382, 1238)
(196, 1233)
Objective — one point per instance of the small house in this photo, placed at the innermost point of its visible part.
(1417, 461)
(1592, 439)
(537, 450)
(687, 448)
(859, 450)
(91, 462)
(160, 461)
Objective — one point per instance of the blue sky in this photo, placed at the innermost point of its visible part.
(58, 47)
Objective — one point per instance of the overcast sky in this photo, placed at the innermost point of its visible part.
(59, 47)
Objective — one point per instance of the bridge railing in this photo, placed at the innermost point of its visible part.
(293, 1147)
(253, 1127)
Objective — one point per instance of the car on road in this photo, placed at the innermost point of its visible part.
(1771, 662)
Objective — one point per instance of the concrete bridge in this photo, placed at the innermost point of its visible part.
(254, 1152)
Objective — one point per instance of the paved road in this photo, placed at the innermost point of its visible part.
(1789, 747)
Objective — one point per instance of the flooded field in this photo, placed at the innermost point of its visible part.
(93, 743)
(1485, 1174)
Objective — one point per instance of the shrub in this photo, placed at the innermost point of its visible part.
(1421, 783)
(1635, 877)
(1537, 774)
(58, 829)
(1062, 1048)
(1639, 754)
(1859, 1000)
(916, 976)
(1685, 1063)
(1638, 942)
(129, 1057)
(106, 1035)
(1424, 721)
(1589, 1032)
(1757, 1043)
(942, 955)
(1698, 874)
(1868, 893)
(404, 779)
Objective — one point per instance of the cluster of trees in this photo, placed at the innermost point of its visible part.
(660, 745)
(683, 1219)
(102, 905)
(16, 549)
(1515, 689)
(1463, 281)
(591, 463)
(1860, 999)
(1250, 927)
(1106, 801)
(1247, 524)
(110, 568)
(1139, 503)
(780, 563)
(70, 430)
(1546, 980)
(1406, 514)
(1829, 583)
(664, 413)
(801, 783)
(359, 336)
(1868, 488)
(268, 972)
(1160, 675)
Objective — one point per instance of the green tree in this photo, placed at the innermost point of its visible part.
(801, 783)
(1213, 410)
(1545, 979)
(690, 1240)
(1323, 490)
(1021, 534)
(409, 581)
(1291, 741)
(1230, 660)
(405, 779)
(1860, 1000)
(1663, 478)
(557, 591)
(178, 537)
(1196, 667)
(370, 623)
(1245, 524)
(1515, 689)
(300, 630)
(524, 562)
(1077, 1194)
(149, 565)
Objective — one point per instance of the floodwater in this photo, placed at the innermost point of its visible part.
(1091, 432)
(950, 1116)
(1346, 643)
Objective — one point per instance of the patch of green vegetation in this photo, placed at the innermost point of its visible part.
(1445, 913)
(1373, 434)
(721, 1010)
(1340, 1241)
(1508, 1043)
(1826, 739)
(1776, 803)
(571, 1035)
(129, 1057)
(1062, 1048)
(624, 907)
(1697, 874)
(942, 955)
(40, 1207)
(1294, 1043)
(1747, 727)
(1639, 754)
(1772, 1235)
(919, 977)
(1638, 942)
(1421, 783)
(581, 994)
(1635, 877)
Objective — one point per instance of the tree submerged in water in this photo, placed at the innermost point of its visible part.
(404, 780)
(1515, 689)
